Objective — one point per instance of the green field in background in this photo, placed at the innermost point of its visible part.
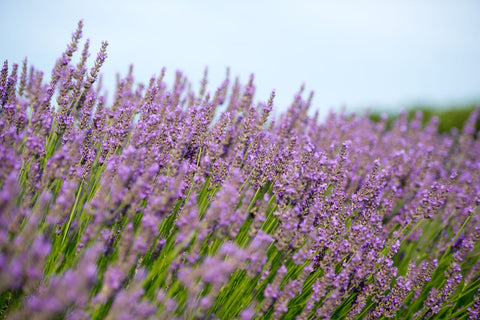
(450, 117)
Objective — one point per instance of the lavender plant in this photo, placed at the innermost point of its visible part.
(170, 204)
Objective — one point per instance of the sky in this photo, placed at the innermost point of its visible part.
(353, 54)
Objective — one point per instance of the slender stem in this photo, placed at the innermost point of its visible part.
(72, 213)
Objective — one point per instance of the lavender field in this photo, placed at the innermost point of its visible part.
(160, 202)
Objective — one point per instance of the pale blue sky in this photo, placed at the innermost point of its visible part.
(354, 53)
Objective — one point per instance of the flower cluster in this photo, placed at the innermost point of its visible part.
(166, 203)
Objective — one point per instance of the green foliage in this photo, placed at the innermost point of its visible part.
(450, 117)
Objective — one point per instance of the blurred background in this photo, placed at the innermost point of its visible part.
(356, 55)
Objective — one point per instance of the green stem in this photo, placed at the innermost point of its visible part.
(72, 213)
(455, 238)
